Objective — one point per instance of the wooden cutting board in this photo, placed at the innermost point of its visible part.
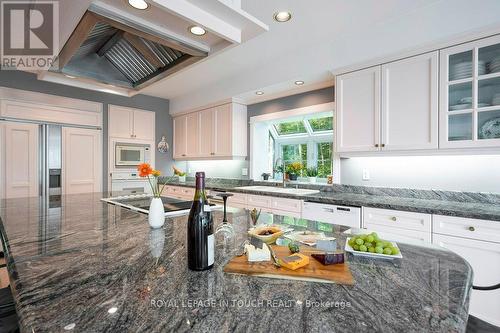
(315, 271)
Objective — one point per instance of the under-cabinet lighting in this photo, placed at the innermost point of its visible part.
(138, 4)
(282, 16)
(197, 30)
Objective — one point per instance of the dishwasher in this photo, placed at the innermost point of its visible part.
(333, 214)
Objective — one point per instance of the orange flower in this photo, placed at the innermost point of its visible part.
(156, 173)
(144, 169)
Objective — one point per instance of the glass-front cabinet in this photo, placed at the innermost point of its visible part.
(470, 94)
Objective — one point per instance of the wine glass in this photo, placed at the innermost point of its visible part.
(225, 230)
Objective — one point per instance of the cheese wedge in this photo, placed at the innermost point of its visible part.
(255, 254)
(294, 261)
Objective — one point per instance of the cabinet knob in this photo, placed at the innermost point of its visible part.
(394, 218)
(376, 145)
(382, 145)
(183, 154)
(212, 153)
(471, 228)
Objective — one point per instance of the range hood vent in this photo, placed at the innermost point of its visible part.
(118, 53)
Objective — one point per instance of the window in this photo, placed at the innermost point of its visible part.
(291, 127)
(295, 153)
(321, 124)
(270, 152)
(324, 159)
(308, 140)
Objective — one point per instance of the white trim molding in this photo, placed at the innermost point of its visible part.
(16, 104)
(294, 112)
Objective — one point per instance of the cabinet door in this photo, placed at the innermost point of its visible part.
(21, 160)
(82, 160)
(120, 122)
(484, 257)
(469, 95)
(193, 135)
(180, 137)
(223, 130)
(410, 103)
(358, 110)
(207, 132)
(144, 125)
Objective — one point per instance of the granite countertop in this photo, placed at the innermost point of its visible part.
(87, 266)
(460, 204)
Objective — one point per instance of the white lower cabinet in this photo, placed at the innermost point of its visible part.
(484, 257)
(340, 215)
(267, 204)
(408, 225)
(179, 192)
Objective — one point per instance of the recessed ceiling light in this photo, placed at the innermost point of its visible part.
(259, 93)
(282, 16)
(138, 4)
(197, 30)
(299, 83)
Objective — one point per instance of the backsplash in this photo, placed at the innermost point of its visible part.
(229, 169)
(472, 173)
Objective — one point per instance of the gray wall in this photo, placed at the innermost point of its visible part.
(320, 96)
(28, 81)
(314, 97)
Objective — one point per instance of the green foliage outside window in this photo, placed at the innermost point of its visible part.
(325, 159)
(292, 127)
(295, 153)
(321, 124)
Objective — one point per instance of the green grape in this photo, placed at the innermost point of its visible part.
(379, 244)
(363, 237)
(359, 241)
(355, 247)
(370, 238)
(387, 250)
(387, 244)
(394, 250)
(371, 249)
(379, 249)
(368, 244)
(352, 241)
(363, 248)
(375, 236)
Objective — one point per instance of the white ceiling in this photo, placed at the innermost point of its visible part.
(323, 35)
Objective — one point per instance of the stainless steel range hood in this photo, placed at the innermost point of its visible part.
(112, 51)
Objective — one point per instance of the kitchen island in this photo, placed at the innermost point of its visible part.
(83, 265)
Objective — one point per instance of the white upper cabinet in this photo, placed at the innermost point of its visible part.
(180, 137)
(192, 134)
(129, 123)
(218, 132)
(389, 107)
(410, 103)
(358, 110)
(470, 95)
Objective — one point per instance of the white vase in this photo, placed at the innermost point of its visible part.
(312, 179)
(156, 216)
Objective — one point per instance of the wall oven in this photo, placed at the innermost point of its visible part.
(132, 154)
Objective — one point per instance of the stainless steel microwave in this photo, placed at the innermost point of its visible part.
(132, 154)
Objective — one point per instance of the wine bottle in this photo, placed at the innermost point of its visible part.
(200, 232)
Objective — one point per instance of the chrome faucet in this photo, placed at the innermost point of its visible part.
(280, 161)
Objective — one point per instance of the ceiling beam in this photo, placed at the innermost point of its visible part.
(76, 39)
(140, 46)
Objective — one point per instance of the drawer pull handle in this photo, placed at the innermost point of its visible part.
(394, 218)
(329, 210)
(344, 209)
(471, 228)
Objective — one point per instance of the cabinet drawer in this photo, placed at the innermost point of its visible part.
(187, 192)
(403, 235)
(289, 205)
(237, 198)
(375, 217)
(258, 201)
(467, 228)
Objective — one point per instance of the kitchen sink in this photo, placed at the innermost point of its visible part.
(291, 191)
